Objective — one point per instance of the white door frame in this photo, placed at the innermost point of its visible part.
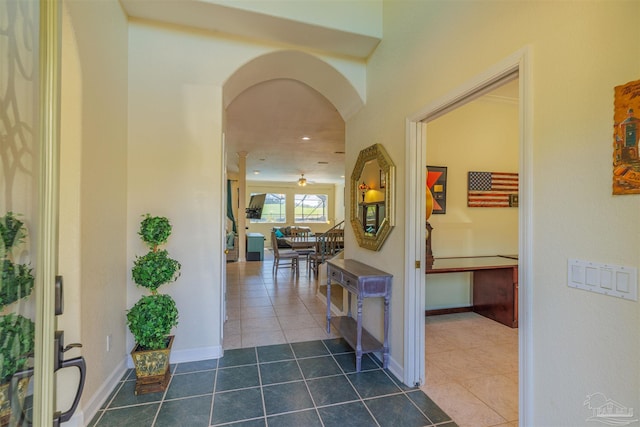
(518, 64)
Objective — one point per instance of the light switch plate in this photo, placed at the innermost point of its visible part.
(607, 279)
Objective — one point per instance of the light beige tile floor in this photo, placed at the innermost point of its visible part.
(471, 361)
(472, 369)
(263, 308)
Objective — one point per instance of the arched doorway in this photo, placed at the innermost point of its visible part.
(318, 96)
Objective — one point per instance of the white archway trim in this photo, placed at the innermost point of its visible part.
(300, 66)
(519, 64)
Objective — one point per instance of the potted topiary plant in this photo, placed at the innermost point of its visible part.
(151, 319)
(17, 333)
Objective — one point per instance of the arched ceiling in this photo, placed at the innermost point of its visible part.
(268, 121)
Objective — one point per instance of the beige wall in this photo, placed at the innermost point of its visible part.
(480, 136)
(175, 171)
(175, 168)
(332, 14)
(93, 187)
(582, 342)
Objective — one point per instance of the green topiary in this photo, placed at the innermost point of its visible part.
(17, 333)
(12, 230)
(150, 320)
(17, 337)
(16, 282)
(155, 230)
(155, 269)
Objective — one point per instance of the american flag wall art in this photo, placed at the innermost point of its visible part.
(492, 190)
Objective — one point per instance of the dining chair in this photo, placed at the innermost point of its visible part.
(288, 257)
(302, 236)
(327, 245)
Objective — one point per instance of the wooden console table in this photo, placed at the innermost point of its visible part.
(495, 284)
(362, 281)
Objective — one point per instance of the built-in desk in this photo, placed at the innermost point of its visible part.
(363, 281)
(495, 284)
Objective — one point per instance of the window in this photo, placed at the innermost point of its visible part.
(274, 209)
(310, 208)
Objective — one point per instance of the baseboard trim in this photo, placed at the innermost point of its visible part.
(396, 369)
(447, 311)
(93, 405)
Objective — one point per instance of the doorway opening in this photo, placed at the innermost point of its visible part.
(419, 134)
(471, 334)
(282, 123)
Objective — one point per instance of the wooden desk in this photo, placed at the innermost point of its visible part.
(495, 284)
(362, 281)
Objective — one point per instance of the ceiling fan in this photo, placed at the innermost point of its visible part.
(302, 181)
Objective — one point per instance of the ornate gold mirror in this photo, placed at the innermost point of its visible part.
(372, 197)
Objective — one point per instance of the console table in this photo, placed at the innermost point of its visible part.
(495, 284)
(363, 281)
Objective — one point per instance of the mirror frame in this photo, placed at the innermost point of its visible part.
(374, 152)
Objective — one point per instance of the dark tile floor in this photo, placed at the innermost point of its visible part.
(301, 384)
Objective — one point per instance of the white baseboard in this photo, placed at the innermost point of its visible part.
(85, 414)
(393, 367)
(397, 370)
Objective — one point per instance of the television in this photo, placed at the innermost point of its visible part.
(254, 211)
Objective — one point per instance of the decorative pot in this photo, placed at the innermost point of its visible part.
(152, 368)
(6, 404)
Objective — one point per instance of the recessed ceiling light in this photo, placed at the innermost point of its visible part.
(256, 172)
(306, 138)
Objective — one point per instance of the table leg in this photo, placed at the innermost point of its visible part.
(359, 336)
(385, 351)
(328, 302)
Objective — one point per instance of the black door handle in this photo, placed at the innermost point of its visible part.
(60, 363)
(77, 362)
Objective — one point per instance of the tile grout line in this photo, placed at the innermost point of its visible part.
(313, 401)
(264, 405)
(213, 392)
(360, 399)
(164, 394)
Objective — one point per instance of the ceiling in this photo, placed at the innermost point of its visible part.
(269, 120)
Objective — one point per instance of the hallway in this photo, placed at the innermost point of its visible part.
(280, 368)
(264, 309)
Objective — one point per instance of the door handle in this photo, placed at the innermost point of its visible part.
(60, 363)
(77, 362)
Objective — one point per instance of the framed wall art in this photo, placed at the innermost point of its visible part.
(492, 190)
(626, 139)
(437, 184)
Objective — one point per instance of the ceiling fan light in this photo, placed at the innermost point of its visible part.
(302, 181)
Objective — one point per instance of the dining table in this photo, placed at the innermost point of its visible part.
(301, 242)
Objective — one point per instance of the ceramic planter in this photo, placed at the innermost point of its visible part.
(152, 368)
(6, 401)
